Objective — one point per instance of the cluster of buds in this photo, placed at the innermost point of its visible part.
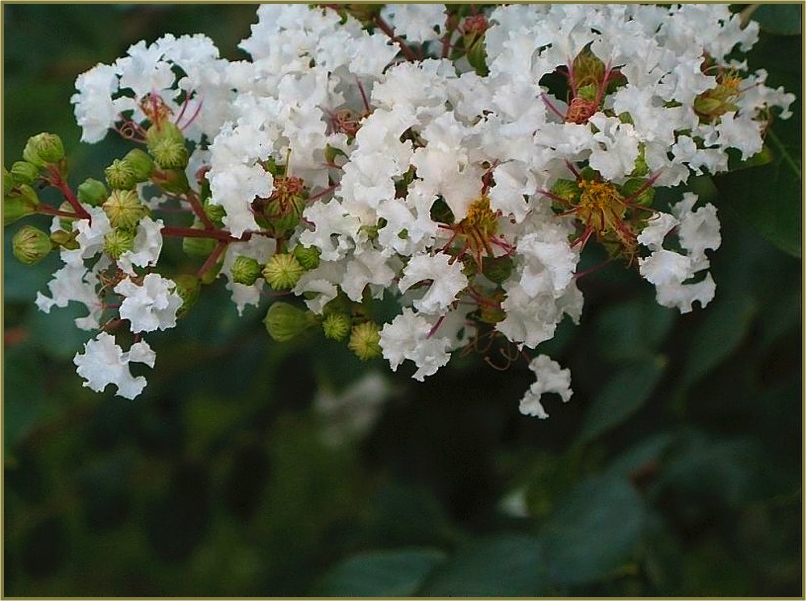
(458, 161)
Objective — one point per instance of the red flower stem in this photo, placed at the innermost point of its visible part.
(189, 232)
(198, 210)
(384, 27)
(212, 259)
(48, 210)
(57, 182)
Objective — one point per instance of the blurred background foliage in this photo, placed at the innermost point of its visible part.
(252, 468)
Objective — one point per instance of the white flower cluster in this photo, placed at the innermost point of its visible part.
(465, 193)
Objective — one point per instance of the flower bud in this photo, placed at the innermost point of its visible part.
(30, 245)
(172, 181)
(365, 340)
(120, 175)
(216, 213)
(43, 149)
(92, 192)
(66, 223)
(167, 145)
(23, 172)
(195, 246)
(124, 209)
(285, 322)
(170, 154)
(118, 242)
(187, 287)
(245, 270)
(337, 326)
(8, 182)
(283, 271)
(308, 256)
(141, 163)
(66, 240)
(18, 203)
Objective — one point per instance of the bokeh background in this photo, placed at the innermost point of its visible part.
(249, 468)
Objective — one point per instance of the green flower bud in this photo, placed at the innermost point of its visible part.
(308, 256)
(118, 242)
(216, 213)
(120, 175)
(283, 271)
(30, 245)
(8, 182)
(43, 149)
(167, 145)
(141, 163)
(67, 240)
(164, 131)
(66, 222)
(172, 181)
(245, 270)
(188, 288)
(92, 192)
(197, 247)
(18, 203)
(337, 326)
(285, 322)
(23, 172)
(365, 340)
(169, 154)
(124, 209)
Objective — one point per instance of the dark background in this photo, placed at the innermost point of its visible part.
(674, 470)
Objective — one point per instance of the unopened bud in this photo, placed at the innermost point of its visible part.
(118, 242)
(308, 256)
(18, 203)
(30, 245)
(92, 192)
(285, 322)
(43, 149)
(365, 340)
(283, 271)
(172, 181)
(245, 270)
(337, 326)
(170, 154)
(124, 209)
(120, 175)
(23, 172)
(187, 287)
(167, 145)
(197, 246)
(216, 213)
(66, 240)
(141, 163)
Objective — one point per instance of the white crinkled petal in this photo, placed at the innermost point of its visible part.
(447, 281)
(151, 306)
(550, 378)
(104, 362)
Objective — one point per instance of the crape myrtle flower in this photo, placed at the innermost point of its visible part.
(455, 163)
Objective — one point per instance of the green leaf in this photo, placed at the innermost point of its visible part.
(632, 330)
(725, 325)
(594, 531)
(768, 197)
(622, 396)
(381, 574)
(507, 565)
(780, 19)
